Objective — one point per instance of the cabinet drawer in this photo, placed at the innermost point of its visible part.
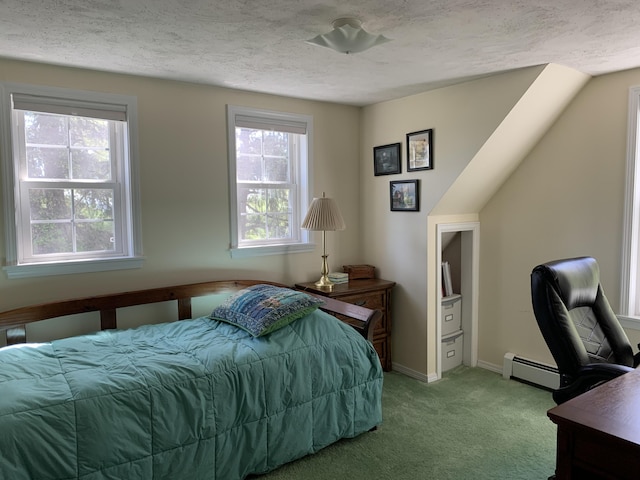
(374, 301)
(369, 293)
(379, 328)
(381, 348)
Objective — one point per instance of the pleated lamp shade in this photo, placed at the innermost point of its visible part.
(323, 215)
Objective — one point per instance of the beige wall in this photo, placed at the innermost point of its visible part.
(463, 118)
(184, 185)
(565, 199)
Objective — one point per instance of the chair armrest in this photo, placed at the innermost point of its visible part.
(636, 358)
(588, 377)
(606, 371)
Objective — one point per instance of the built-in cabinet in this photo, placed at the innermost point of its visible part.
(451, 332)
(458, 245)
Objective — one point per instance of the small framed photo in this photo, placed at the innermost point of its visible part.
(405, 196)
(386, 159)
(420, 150)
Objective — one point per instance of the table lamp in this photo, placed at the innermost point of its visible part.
(324, 215)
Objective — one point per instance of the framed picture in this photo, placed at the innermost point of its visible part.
(405, 196)
(420, 150)
(386, 159)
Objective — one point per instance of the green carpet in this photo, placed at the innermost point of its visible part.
(472, 424)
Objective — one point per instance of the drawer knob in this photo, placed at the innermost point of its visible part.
(360, 303)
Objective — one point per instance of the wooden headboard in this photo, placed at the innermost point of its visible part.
(14, 321)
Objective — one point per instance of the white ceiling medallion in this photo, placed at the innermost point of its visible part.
(348, 36)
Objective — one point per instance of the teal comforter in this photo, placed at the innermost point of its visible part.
(195, 399)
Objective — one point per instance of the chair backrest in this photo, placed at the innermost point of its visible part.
(575, 317)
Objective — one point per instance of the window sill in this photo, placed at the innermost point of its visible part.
(630, 322)
(65, 268)
(247, 252)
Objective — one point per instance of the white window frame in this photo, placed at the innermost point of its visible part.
(630, 271)
(264, 118)
(130, 256)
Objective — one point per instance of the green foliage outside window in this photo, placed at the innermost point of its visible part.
(74, 150)
(263, 172)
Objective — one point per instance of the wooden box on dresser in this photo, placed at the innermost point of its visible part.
(372, 293)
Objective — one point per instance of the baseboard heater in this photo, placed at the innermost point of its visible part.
(530, 371)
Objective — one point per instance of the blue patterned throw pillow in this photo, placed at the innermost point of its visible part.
(262, 309)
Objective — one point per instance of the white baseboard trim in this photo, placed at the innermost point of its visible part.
(432, 377)
(490, 366)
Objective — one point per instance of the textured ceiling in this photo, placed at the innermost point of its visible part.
(260, 45)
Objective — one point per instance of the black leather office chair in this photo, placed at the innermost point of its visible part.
(582, 332)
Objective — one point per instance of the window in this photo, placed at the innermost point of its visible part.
(70, 190)
(269, 176)
(630, 281)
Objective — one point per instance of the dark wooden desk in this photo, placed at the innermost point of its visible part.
(599, 432)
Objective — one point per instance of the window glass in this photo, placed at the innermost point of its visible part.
(72, 182)
(269, 160)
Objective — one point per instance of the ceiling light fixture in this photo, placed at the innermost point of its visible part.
(348, 36)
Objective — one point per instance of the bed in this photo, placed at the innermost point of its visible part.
(200, 398)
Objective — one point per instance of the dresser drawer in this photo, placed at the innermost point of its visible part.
(381, 349)
(374, 301)
(372, 293)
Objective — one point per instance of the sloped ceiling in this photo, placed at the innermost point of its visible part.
(518, 133)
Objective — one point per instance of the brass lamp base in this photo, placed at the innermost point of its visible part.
(324, 283)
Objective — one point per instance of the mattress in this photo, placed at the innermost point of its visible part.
(193, 399)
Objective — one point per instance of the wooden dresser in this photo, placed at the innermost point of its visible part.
(372, 293)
